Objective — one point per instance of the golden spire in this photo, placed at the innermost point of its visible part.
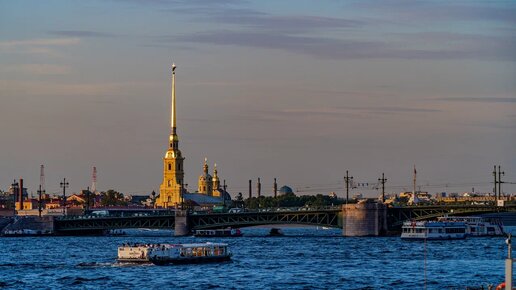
(174, 139)
(173, 115)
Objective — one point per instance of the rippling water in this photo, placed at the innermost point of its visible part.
(303, 259)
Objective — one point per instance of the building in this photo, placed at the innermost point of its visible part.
(285, 190)
(210, 185)
(172, 191)
(28, 204)
(171, 188)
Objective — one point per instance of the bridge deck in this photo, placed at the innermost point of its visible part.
(328, 217)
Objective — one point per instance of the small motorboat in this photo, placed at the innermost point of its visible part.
(275, 232)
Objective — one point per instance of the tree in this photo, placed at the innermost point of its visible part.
(112, 198)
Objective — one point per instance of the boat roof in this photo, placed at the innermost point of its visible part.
(193, 245)
(435, 223)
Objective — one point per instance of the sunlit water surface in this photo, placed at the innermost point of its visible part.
(306, 258)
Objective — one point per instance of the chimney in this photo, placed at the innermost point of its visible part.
(259, 187)
(275, 188)
(250, 188)
(20, 194)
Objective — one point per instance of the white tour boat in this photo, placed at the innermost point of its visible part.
(135, 253)
(433, 230)
(189, 253)
(477, 226)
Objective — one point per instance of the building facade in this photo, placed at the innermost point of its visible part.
(208, 184)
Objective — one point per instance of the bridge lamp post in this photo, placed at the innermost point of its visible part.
(348, 179)
(64, 185)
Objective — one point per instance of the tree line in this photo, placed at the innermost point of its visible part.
(287, 200)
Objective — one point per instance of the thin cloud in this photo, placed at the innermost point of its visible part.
(43, 88)
(302, 33)
(81, 33)
(490, 48)
(479, 100)
(40, 42)
(44, 46)
(433, 11)
(369, 109)
(37, 69)
(260, 21)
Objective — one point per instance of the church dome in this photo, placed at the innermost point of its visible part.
(285, 190)
(205, 177)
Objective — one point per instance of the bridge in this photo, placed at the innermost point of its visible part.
(327, 217)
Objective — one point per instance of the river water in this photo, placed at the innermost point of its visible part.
(305, 258)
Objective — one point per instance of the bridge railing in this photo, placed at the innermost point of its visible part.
(118, 214)
(271, 209)
(150, 213)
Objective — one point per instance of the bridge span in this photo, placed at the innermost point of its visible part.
(377, 219)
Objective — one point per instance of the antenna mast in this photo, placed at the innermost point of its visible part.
(94, 180)
(41, 188)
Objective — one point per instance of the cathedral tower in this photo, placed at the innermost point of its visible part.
(205, 185)
(215, 179)
(170, 190)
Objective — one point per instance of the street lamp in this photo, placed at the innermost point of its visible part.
(64, 185)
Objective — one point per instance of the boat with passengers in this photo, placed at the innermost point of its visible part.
(189, 253)
(135, 253)
(478, 226)
(433, 230)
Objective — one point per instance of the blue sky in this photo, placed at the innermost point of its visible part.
(298, 90)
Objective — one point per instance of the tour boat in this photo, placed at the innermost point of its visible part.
(218, 233)
(135, 253)
(433, 230)
(477, 226)
(189, 253)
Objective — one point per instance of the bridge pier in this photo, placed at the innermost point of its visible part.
(364, 219)
(181, 226)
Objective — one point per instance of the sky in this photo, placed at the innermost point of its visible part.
(295, 90)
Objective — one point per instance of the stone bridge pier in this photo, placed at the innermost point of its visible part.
(181, 227)
(364, 219)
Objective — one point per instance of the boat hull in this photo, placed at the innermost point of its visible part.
(434, 238)
(189, 260)
(138, 261)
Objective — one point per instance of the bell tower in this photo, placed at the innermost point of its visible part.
(171, 188)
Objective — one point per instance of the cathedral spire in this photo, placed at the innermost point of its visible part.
(171, 188)
(173, 110)
(174, 140)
